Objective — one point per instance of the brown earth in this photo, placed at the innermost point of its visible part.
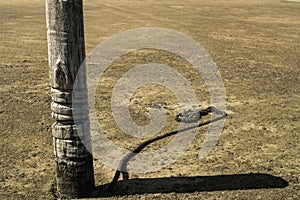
(256, 46)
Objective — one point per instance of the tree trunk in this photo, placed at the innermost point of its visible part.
(74, 163)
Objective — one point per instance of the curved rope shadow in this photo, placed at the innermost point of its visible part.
(123, 164)
(184, 184)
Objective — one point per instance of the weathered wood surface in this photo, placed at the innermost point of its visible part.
(66, 50)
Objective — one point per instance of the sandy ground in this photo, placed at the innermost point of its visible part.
(256, 46)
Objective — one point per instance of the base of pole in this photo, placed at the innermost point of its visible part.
(74, 169)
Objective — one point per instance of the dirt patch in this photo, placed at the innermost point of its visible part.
(295, 1)
(256, 46)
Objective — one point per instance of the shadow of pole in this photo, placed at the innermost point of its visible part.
(191, 184)
(184, 184)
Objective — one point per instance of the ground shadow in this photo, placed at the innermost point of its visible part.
(190, 184)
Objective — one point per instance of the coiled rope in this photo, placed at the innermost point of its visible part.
(187, 117)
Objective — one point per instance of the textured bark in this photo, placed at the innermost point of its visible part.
(66, 50)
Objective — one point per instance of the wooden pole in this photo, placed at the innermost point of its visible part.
(66, 51)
